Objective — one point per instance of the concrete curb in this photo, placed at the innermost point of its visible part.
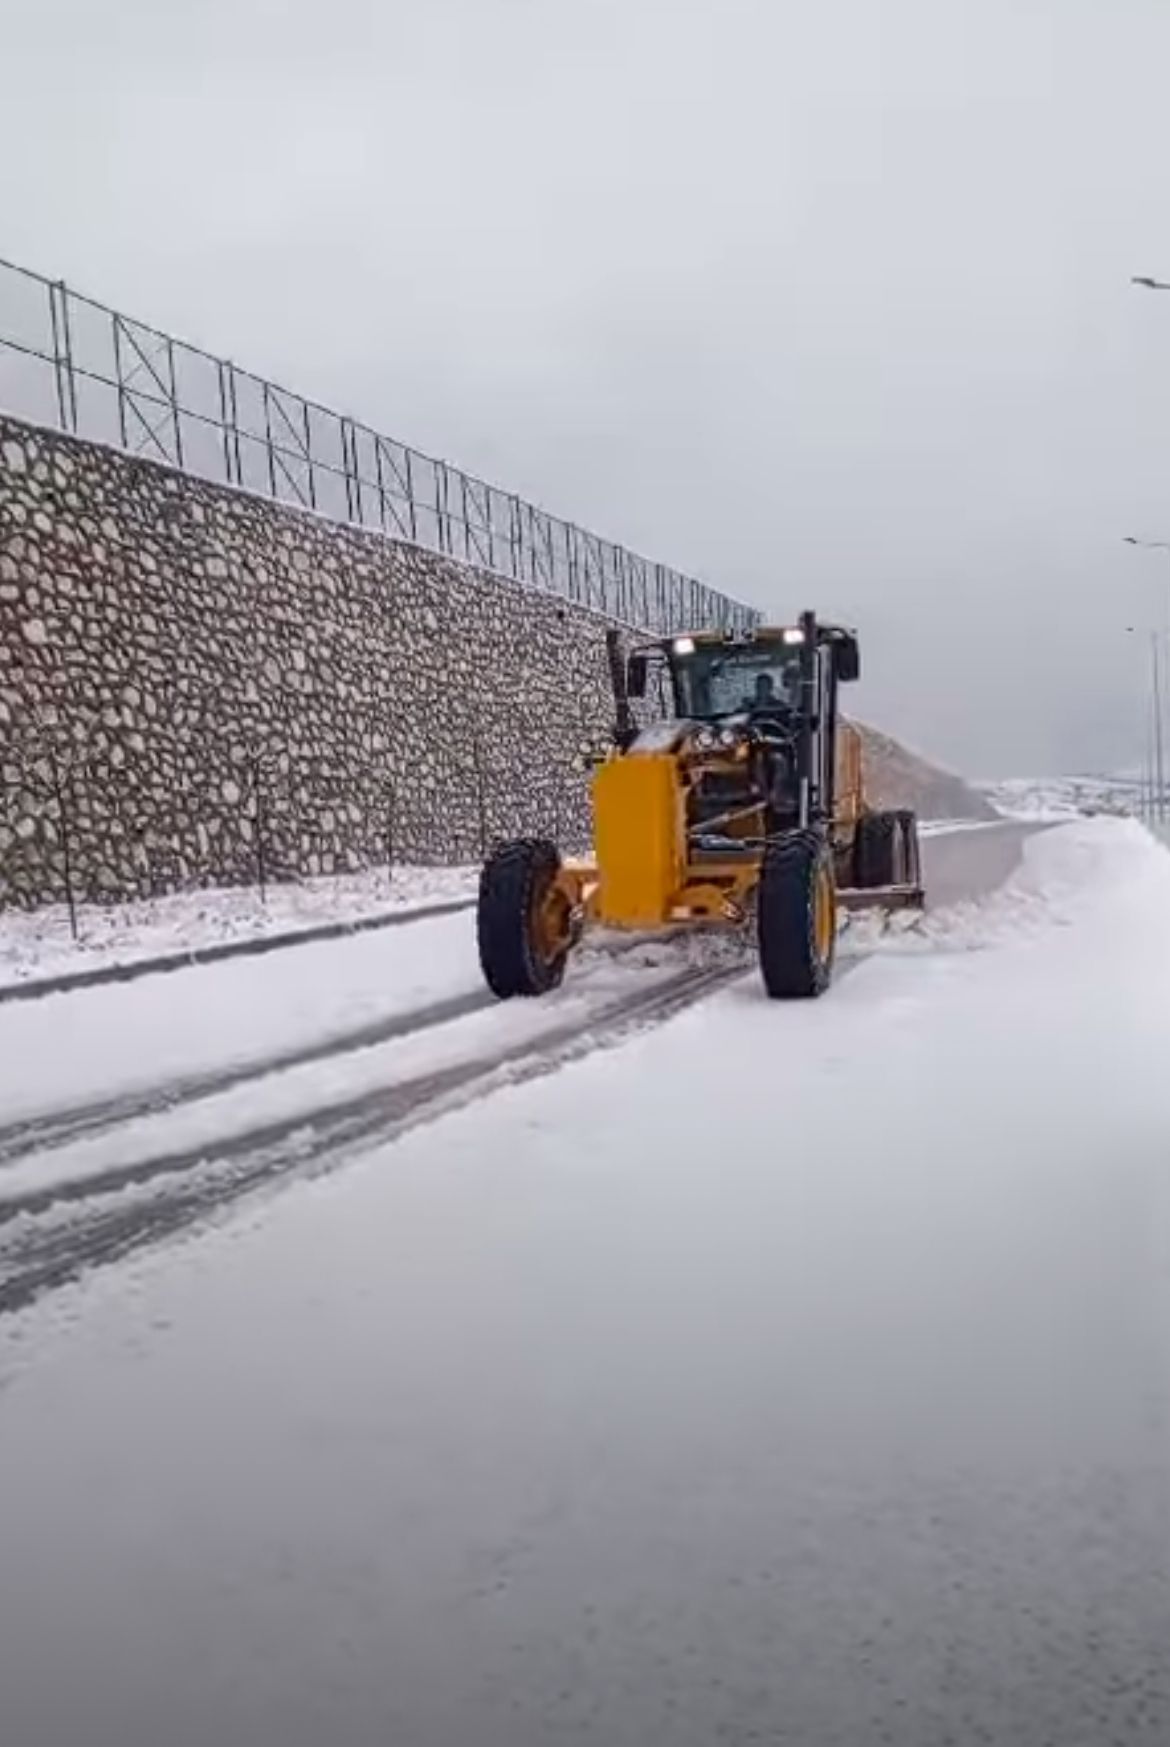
(38, 987)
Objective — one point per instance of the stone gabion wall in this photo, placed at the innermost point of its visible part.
(198, 686)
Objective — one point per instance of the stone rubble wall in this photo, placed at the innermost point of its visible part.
(198, 686)
(201, 687)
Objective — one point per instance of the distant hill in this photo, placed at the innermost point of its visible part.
(1057, 797)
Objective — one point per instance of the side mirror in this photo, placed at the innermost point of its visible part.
(637, 668)
(848, 659)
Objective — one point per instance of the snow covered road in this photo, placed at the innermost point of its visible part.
(174, 1095)
(788, 1374)
(68, 1050)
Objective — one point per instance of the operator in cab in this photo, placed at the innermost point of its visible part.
(765, 696)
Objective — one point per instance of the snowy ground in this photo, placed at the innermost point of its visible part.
(785, 1374)
(1066, 797)
(40, 943)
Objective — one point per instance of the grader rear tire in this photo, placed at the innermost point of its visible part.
(522, 950)
(796, 914)
(876, 852)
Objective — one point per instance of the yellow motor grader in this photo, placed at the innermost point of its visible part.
(744, 806)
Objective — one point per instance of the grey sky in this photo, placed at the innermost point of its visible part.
(824, 300)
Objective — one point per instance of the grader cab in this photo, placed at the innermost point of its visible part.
(743, 807)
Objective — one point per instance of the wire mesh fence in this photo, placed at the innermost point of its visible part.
(68, 360)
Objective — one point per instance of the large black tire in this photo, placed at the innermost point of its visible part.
(512, 887)
(797, 939)
(876, 850)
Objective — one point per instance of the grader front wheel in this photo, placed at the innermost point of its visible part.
(797, 916)
(524, 920)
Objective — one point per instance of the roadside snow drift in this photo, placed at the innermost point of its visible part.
(39, 943)
(791, 1373)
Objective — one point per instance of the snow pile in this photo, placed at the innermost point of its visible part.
(897, 777)
(39, 943)
(1065, 875)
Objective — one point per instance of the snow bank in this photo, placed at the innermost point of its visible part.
(67, 1049)
(1083, 871)
(39, 943)
(897, 777)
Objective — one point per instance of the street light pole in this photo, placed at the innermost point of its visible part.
(1154, 750)
(1159, 754)
(1149, 736)
(1155, 640)
(1147, 282)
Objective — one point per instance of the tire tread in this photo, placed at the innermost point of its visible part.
(507, 887)
(786, 916)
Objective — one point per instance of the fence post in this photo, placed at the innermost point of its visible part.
(480, 792)
(408, 472)
(308, 430)
(63, 813)
(261, 827)
(391, 821)
(62, 359)
(176, 420)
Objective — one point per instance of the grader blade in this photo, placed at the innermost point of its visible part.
(881, 897)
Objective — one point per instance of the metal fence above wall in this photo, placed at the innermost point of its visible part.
(67, 360)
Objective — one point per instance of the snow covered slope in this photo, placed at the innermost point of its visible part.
(1065, 797)
(897, 777)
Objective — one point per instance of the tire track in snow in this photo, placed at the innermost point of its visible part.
(49, 1237)
(956, 869)
(47, 1130)
(55, 1128)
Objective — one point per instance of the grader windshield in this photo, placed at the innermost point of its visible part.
(714, 679)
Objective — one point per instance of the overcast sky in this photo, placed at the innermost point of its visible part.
(823, 300)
